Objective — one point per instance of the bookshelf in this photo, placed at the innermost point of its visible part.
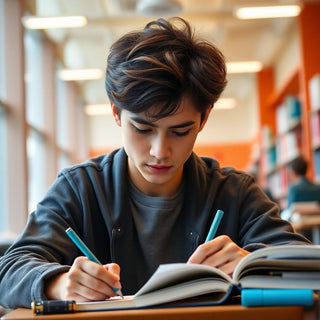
(314, 92)
(281, 142)
(290, 114)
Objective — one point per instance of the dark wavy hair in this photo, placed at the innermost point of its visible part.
(299, 165)
(157, 66)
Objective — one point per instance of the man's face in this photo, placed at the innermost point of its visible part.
(157, 150)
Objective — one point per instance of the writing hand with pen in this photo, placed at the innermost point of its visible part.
(220, 252)
(87, 279)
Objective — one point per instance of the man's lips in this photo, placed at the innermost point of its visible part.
(158, 168)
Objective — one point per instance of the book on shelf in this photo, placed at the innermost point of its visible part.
(268, 149)
(316, 161)
(288, 147)
(282, 118)
(288, 115)
(267, 137)
(314, 92)
(315, 129)
(274, 183)
(268, 158)
(294, 111)
(272, 158)
(181, 284)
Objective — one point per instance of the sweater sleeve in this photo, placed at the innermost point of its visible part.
(43, 250)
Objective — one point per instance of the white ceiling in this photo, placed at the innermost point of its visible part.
(213, 20)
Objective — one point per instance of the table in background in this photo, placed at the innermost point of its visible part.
(306, 216)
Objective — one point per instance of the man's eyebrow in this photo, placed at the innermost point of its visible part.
(151, 124)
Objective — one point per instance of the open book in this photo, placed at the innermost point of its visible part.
(287, 266)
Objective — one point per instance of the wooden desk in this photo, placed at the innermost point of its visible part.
(222, 312)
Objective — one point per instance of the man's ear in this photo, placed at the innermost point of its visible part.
(205, 118)
(115, 115)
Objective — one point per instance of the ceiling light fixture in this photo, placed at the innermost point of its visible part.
(267, 12)
(32, 22)
(225, 103)
(98, 109)
(244, 67)
(158, 7)
(80, 74)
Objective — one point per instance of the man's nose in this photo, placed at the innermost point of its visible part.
(160, 147)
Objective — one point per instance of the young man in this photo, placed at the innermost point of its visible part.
(152, 201)
(300, 188)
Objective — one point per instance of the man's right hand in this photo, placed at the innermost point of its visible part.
(85, 281)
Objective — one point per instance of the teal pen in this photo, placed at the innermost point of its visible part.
(87, 252)
(214, 226)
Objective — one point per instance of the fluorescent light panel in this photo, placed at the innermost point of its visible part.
(80, 74)
(268, 12)
(54, 22)
(244, 66)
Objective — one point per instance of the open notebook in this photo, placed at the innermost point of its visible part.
(288, 266)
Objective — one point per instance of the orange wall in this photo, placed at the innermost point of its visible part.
(238, 155)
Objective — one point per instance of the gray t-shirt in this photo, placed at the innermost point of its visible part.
(155, 219)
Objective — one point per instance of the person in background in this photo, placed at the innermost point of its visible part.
(152, 201)
(300, 189)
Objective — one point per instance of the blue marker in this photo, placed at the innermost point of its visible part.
(214, 225)
(87, 252)
(260, 297)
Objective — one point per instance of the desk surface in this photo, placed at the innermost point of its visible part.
(307, 222)
(222, 312)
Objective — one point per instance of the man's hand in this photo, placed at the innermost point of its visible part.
(220, 252)
(85, 281)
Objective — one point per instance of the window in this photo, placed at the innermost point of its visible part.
(64, 161)
(39, 124)
(12, 137)
(63, 118)
(33, 79)
(3, 138)
(3, 171)
(35, 109)
(36, 168)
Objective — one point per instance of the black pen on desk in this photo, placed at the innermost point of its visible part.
(214, 225)
(87, 252)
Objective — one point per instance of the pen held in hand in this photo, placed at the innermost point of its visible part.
(214, 226)
(87, 252)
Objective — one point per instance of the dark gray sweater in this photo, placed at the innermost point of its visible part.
(92, 198)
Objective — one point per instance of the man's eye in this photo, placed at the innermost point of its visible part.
(142, 131)
(181, 133)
